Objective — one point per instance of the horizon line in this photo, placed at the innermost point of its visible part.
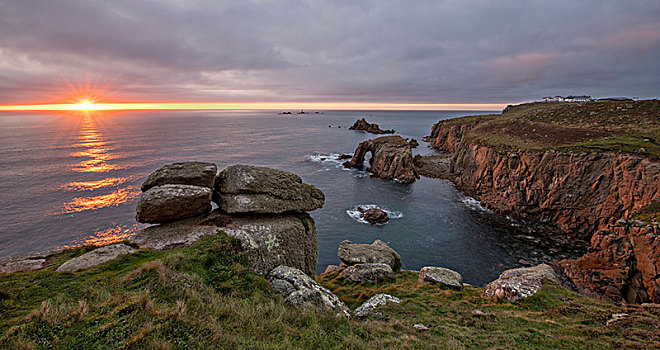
(128, 106)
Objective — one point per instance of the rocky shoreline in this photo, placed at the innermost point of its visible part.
(582, 195)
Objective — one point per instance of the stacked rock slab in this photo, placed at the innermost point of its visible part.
(271, 224)
(373, 273)
(176, 191)
(251, 189)
(301, 291)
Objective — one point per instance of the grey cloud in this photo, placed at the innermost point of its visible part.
(390, 51)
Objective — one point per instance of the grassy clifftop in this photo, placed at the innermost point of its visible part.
(628, 126)
(205, 296)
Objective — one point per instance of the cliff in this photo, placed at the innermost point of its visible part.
(575, 167)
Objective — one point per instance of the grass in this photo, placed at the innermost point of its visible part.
(205, 296)
(622, 126)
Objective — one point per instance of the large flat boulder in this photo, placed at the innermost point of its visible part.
(251, 189)
(441, 276)
(23, 263)
(172, 202)
(199, 174)
(377, 252)
(267, 240)
(303, 292)
(368, 272)
(96, 257)
(518, 284)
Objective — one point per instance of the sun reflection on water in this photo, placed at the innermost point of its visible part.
(118, 197)
(107, 236)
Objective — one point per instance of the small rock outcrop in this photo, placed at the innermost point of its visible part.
(376, 301)
(96, 257)
(377, 252)
(391, 159)
(301, 291)
(364, 125)
(199, 174)
(518, 284)
(441, 276)
(413, 143)
(374, 216)
(23, 263)
(369, 272)
(172, 202)
(251, 189)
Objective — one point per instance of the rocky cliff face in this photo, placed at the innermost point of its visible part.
(620, 265)
(391, 158)
(577, 193)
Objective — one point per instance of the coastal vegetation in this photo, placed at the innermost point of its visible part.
(206, 296)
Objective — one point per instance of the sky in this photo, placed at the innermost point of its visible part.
(328, 51)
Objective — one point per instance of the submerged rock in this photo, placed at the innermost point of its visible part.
(301, 291)
(364, 125)
(172, 202)
(374, 303)
(199, 174)
(251, 189)
(518, 284)
(441, 276)
(374, 215)
(376, 252)
(96, 257)
(391, 159)
(369, 272)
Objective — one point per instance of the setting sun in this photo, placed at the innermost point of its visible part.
(86, 105)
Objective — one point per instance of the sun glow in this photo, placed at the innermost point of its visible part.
(87, 105)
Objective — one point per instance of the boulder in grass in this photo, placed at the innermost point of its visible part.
(172, 202)
(374, 303)
(251, 189)
(376, 252)
(518, 284)
(303, 292)
(199, 174)
(369, 272)
(441, 276)
(96, 257)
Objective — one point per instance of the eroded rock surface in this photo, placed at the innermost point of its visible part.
(267, 240)
(199, 174)
(96, 257)
(442, 276)
(251, 189)
(369, 306)
(518, 284)
(172, 202)
(364, 125)
(622, 264)
(301, 291)
(391, 159)
(376, 252)
(369, 272)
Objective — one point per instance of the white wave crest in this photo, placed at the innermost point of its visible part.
(474, 204)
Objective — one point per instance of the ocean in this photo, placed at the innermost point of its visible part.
(73, 179)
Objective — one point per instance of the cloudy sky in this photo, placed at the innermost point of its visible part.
(453, 51)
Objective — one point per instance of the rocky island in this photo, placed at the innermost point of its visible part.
(363, 125)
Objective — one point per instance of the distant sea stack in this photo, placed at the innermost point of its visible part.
(579, 168)
(363, 125)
